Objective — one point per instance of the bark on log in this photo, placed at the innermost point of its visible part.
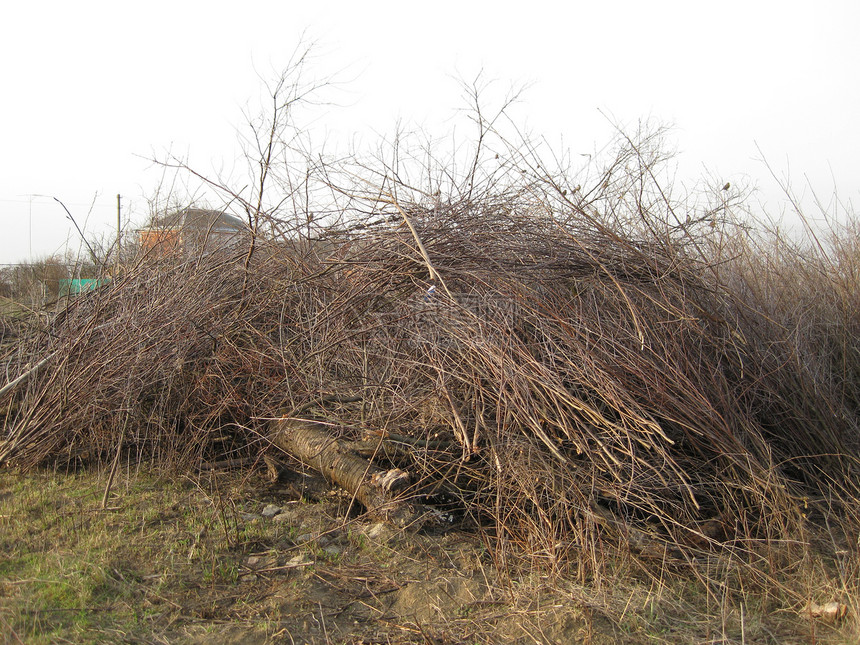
(375, 488)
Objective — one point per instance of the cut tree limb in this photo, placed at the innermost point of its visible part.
(9, 387)
(312, 443)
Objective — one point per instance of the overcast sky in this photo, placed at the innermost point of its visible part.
(92, 90)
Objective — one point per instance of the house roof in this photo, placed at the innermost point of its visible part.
(199, 219)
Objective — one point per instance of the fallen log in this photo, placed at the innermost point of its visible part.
(375, 488)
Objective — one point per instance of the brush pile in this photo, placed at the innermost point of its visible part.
(556, 374)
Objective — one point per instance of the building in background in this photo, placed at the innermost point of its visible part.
(192, 231)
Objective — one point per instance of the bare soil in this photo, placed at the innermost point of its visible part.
(196, 561)
(232, 558)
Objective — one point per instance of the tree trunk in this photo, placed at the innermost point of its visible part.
(312, 443)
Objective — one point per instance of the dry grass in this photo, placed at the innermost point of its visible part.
(193, 561)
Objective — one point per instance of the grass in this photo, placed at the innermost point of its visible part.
(176, 560)
(71, 570)
(13, 309)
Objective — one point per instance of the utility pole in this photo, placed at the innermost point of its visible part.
(118, 224)
(30, 197)
(31, 229)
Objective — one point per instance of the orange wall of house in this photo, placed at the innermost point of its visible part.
(164, 240)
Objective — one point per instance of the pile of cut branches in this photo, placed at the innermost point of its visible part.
(557, 371)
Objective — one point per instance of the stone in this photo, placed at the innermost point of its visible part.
(378, 531)
(284, 516)
(299, 560)
(271, 510)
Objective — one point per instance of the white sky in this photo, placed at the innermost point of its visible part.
(90, 90)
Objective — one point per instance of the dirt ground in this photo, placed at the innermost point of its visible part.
(349, 579)
(235, 559)
(232, 558)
